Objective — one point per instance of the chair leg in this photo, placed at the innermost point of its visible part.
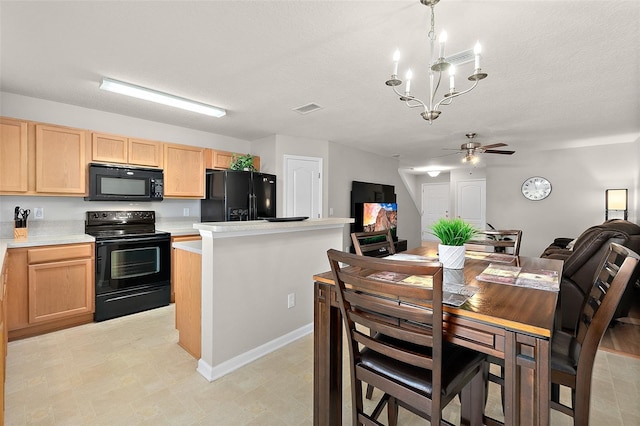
(392, 411)
(555, 392)
(369, 393)
(472, 400)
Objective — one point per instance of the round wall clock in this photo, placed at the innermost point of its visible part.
(536, 188)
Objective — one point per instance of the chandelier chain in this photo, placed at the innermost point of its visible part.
(432, 31)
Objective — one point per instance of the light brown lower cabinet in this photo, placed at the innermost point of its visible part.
(3, 337)
(178, 239)
(49, 288)
(188, 288)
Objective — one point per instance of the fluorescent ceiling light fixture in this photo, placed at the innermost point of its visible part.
(159, 97)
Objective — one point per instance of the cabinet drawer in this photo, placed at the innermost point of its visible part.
(52, 254)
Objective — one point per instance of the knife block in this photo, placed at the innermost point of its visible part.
(20, 234)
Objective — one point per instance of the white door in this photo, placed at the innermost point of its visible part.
(303, 186)
(435, 205)
(471, 201)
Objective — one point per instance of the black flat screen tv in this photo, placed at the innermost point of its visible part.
(371, 193)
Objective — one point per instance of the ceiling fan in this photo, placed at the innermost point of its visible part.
(471, 149)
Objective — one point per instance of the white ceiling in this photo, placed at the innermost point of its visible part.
(561, 73)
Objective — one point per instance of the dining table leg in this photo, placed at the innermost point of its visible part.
(526, 380)
(327, 374)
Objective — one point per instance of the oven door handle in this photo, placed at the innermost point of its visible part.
(133, 240)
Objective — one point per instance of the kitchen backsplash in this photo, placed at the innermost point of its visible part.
(75, 208)
(43, 228)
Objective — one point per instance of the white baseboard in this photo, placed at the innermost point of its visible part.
(212, 373)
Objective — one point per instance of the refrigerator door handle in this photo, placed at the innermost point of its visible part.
(253, 207)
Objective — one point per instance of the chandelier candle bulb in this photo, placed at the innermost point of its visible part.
(452, 73)
(477, 50)
(443, 40)
(396, 59)
(409, 76)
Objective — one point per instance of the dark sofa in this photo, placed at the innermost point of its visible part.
(581, 262)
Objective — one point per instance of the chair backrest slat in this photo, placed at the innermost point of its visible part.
(507, 238)
(373, 241)
(419, 360)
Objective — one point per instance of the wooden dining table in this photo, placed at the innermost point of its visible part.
(506, 321)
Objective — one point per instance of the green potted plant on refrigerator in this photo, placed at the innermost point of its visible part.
(242, 162)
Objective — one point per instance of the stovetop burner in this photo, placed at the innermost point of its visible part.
(121, 224)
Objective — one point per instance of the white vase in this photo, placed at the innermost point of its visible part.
(451, 257)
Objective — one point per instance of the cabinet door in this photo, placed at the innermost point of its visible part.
(145, 153)
(60, 160)
(108, 148)
(17, 289)
(60, 289)
(188, 301)
(183, 171)
(222, 159)
(13, 155)
(179, 238)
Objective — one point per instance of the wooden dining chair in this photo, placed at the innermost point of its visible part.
(499, 240)
(406, 356)
(375, 243)
(573, 354)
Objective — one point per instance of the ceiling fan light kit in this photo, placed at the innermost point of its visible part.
(439, 64)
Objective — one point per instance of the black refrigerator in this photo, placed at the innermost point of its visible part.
(234, 195)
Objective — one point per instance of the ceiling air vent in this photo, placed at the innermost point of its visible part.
(461, 57)
(306, 109)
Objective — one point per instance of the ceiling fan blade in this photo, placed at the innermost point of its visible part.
(498, 151)
(495, 145)
(446, 155)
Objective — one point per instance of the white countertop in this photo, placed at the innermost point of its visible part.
(257, 227)
(48, 240)
(191, 246)
(35, 241)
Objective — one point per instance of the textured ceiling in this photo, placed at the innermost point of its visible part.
(561, 73)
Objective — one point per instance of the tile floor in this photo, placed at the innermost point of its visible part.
(130, 371)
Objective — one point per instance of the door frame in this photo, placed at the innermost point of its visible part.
(423, 200)
(285, 168)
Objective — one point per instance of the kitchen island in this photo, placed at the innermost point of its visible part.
(256, 295)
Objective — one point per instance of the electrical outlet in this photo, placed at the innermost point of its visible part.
(291, 300)
(185, 211)
(38, 213)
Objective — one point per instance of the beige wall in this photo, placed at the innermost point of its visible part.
(347, 164)
(578, 176)
(34, 109)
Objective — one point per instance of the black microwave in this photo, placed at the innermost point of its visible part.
(109, 182)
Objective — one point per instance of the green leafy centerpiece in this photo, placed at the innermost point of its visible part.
(242, 162)
(453, 234)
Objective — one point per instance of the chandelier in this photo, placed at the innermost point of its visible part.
(439, 64)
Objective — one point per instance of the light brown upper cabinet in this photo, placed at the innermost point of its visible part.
(61, 164)
(107, 148)
(14, 160)
(183, 171)
(215, 159)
